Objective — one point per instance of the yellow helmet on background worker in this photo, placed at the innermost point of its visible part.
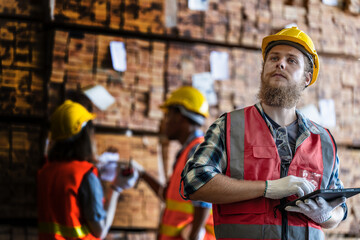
(295, 38)
(192, 102)
(68, 120)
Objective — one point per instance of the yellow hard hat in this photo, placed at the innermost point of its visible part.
(68, 120)
(294, 35)
(190, 98)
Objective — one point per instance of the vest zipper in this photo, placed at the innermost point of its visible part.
(284, 220)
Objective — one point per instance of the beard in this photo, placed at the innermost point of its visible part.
(280, 96)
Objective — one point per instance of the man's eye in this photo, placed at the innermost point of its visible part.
(291, 60)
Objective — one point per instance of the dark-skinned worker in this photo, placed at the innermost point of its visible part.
(185, 112)
(256, 158)
(70, 195)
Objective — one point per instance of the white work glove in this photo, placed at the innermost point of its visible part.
(108, 157)
(287, 186)
(123, 182)
(138, 167)
(319, 210)
(108, 162)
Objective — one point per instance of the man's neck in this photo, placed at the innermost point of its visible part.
(282, 116)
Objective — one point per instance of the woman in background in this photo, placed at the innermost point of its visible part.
(70, 195)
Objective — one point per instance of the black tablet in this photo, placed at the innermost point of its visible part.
(327, 194)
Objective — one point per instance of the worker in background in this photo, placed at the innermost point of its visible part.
(257, 158)
(70, 195)
(109, 158)
(186, 110)
(76, 96)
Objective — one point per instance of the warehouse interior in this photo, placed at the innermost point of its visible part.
(51, 47)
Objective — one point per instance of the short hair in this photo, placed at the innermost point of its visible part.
(309, 67)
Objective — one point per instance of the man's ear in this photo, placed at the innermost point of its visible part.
(308, 78)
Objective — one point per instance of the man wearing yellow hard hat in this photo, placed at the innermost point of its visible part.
(186, 110)
(256, 159)
(70, 195)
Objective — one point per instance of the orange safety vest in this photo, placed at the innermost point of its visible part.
(58, 210)
(252, 155)
(178, 212)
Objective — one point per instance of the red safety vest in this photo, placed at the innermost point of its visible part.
(252, 155)
(58, 210)
(178, 212)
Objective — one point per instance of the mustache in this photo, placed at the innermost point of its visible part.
(279, 72)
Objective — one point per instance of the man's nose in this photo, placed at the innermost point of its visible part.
(281, 63)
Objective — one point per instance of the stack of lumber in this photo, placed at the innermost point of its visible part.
(84, 60)
(21, 61)
(20, 157)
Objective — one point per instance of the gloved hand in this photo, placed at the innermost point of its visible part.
(125, 181)
(107, 165)
(109, 157)
(319, 210)
(287, 186)
(138, 167)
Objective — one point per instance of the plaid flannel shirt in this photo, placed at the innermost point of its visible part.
(210, 158)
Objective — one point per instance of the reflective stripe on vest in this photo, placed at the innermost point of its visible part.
(54, 228)
(185, 207)
(252, 155)
(171, 231)
(327, 144)
(239, 231)
(178, 212)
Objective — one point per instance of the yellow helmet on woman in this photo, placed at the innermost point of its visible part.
(68, 120)
(295, 38)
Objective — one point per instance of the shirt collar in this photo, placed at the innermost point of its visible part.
(307, 123)
(304, 123)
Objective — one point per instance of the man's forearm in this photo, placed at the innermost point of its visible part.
(223, 189)
(154, 184)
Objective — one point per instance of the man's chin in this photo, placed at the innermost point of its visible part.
(278, 82)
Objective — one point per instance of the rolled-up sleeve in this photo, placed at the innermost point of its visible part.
(208, 160)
